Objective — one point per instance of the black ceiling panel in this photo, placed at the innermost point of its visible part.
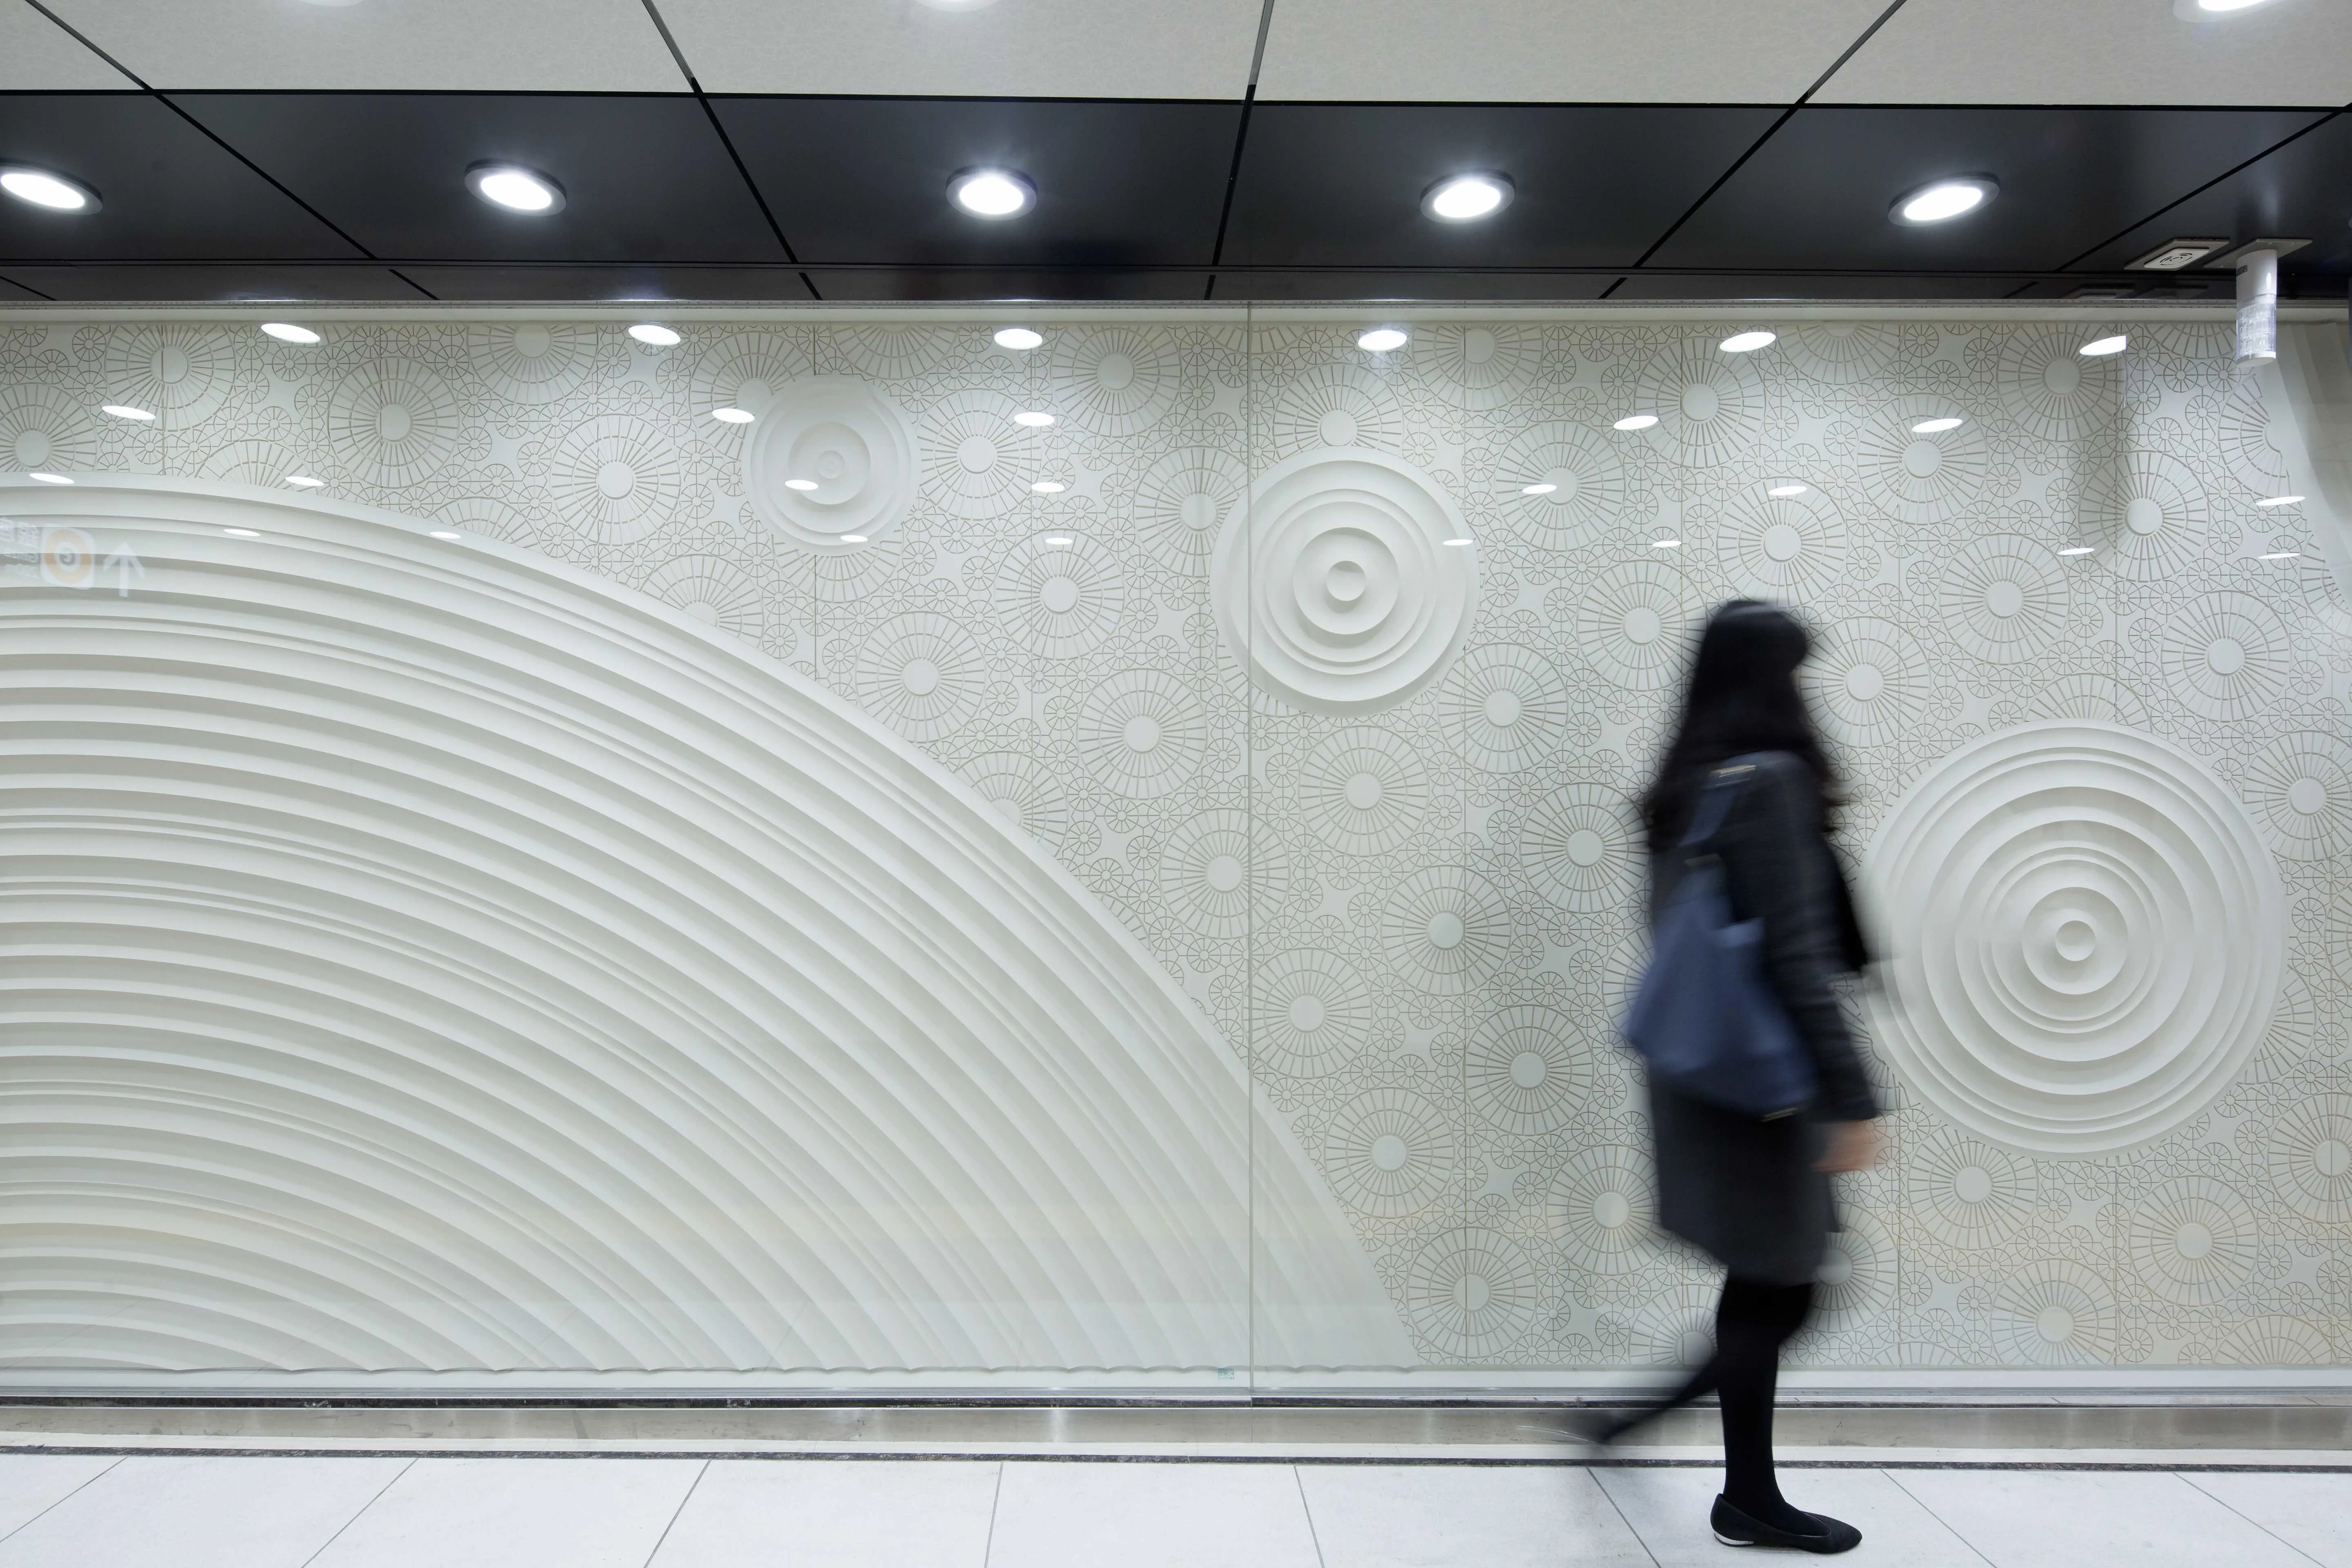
(1817, 194)
(9, 291)
(864, 179)
(1340, 185)
(746, 285)
(222, 282)
(1005, 283)
(1767, 287)
(167, 191)
(1375, 287)
(646, 178)
(2303, 191)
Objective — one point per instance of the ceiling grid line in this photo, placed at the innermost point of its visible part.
(711, 114)
(1241, 139)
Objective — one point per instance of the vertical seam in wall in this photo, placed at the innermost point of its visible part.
(1250, 825)
(77, 1491)
(677, 1513)
(710, 113)
(359, 1511)
(1241, 139)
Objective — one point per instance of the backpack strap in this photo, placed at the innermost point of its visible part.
(1715, 803)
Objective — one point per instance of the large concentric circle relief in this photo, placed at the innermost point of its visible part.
(1333, 584)
(2086, 933)
(831, 457)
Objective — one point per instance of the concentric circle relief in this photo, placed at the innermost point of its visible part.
(2086, 933)
(742, 370)
(830, 457)
(1334, 587)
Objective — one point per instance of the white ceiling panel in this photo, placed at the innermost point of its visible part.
(1003, 48)
(2287, 53)
(1561, 51)
(384, 45)
(38, 56)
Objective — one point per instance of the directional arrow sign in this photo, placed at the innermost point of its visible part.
(125, 561)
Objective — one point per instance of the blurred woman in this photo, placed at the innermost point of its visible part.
(1755, 1194)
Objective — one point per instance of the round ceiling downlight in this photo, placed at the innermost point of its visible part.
(46, 188)
(992, 193)
(1467, 198)
(516, 188)
(1940, 201)
(287, 332)
(654, 335)
(1019, 339)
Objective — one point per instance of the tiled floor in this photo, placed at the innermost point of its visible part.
(101, 1511)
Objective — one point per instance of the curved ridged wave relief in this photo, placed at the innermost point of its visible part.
(418, 957)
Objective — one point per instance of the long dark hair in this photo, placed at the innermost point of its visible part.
(1742, 697)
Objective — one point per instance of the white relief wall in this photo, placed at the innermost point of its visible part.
(1383, 845)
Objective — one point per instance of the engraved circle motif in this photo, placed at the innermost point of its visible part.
(1024, 791)
(1142, 734)
(529, 363)
(2311, 1157)
(1675, 1326)
(855, 447)
(2193, 1240)
(1524, 1071)
(1973, 1194)
(1060, 595)
(2054, 1313)
(1843, 353)
(182, 374)
(1334, 405)
(2087, 933)
(1582, 848)
(394, 423)
(977, 462)
(1780, 547)
(1869, 679)
(255, 460)
(1333, 586)
(1389, 1152)
(1364, 791)
(2004, 598)
(896, 353)
(2152, 517)
(490, 516)
(1213, 867)
(2253, 458)
(1587, 480)
(1921, 476)
(1313, 1012)
(1505, 707)
(1709, 404)
(715, 592)
(2082, 695)
(742, 370)
(2300, 786)
(1446, 930)
(1601, 1209)
(1115, 381)
(1180, 500)
(1472, 1293)
(2273, 1340)
(1856, 1280)
(2225, 655)
(616, 478)
(1480, 367)
(45, 428)
(921, 674)
(1630, 622)
(2051, 391)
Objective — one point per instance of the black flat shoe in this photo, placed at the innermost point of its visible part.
(1829, 1537)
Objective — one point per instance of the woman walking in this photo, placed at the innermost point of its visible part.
(1746, 786)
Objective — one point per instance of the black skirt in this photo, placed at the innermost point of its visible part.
(1744, 1192)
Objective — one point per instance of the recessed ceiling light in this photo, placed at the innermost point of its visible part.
(1536, 489)
(2175, 253)
(2278, 501)
(287, 332)
(1382, 340)
(992, 193)
(653, 332)
(1637, 422)
(1036, 419)
(1747, 342)
(1049, 487)
(2098, 348)
(2078, 550)
(1938, 425)
(2281, 556)
(733, 415)
(242, 533)
(45, 188)
(853, 538)
(799, 484)
(516, 188)
(1021, 338)
(450, 533)
(1783, 491)
(1944, 200)
(49, 478)
(1457, 542)
(1466, 198)
(1665, 545)
(124, 411)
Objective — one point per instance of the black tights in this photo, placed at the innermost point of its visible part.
(1752, 1321)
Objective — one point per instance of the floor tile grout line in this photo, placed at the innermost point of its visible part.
(356, 1512)
(1949, 1528)
(1314, 1536)
(677, 1513)
(1623, 1518)
(108, 1470)
(995, 1498)
(2249, 1518)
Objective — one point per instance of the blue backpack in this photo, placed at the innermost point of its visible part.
(1706, 1020)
